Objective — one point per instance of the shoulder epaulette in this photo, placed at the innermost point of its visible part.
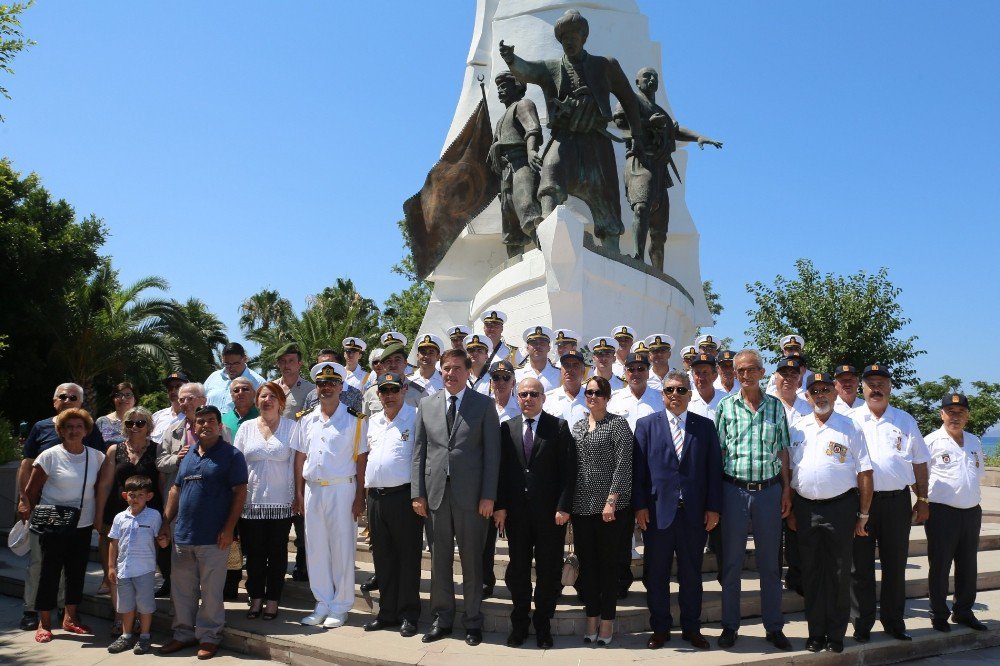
(523, 363)
(418, 387)
(354, 412)
(621, 379)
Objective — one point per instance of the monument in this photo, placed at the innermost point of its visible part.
(579, 267)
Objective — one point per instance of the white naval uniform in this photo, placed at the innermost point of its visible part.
(656, 382)
(894, 446)
(430, 386)
(616, 381)
(706, 409)
(503, 352)
(801, 407)
(842, 407)
(618, 368)
(549, 376)
(955, 471)
(483, 384)
(826, 459)
(560, 404)
(624, 403)
(722, 389)
(331, 486)
(508, 411)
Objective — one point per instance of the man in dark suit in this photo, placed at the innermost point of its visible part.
(534, 499)
(456, 464)
(677, 496)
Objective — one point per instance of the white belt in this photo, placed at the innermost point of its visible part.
(337, 480)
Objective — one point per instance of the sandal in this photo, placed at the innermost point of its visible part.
(73, 628)
(42, 635)
(269, 615)
(255, 608)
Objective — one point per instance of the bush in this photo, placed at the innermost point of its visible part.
(9, 447)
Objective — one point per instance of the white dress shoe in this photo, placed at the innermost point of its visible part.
(334, 621)
(318, 616)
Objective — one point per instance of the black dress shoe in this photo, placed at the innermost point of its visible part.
(941, 625)
(29, 621)
(657, 640)
(473, 636)
(369, 585)
(899, 635)
(544, 640)
(163, 592)
(728, 638)
(815, 644)
(379, 625)
(695, 639)
(516, 638)
(300, 574)
(487, 591)
(971, 621)
(436, 634)
(407, 629)
(834, 646)
(778, 640)
(862, 636)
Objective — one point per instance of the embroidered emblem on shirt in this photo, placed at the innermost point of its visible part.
(945, 458)
(404, 436)
(835, 449)
(899, 442)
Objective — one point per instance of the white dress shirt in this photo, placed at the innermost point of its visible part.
(624, 403)
(719, 387)
(162, 420)
(430, 386)
(894, 446)
(616, 381)
(800, 407)
(562, 405)
(508, 411)
(329, 443)
(549, 376)
(826, 458)
(706, 409)
(655, 381)
(955, 471)
(356, 378)
(842, 407)
(390, 448)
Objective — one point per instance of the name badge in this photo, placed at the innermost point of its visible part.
(193, 477)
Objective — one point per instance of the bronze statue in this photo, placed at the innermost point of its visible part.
(579, 158)
(514, 157)
(647, 175)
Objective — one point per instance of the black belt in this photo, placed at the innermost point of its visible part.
(752, 485)
(843, 495)
(891, 493)
(389, 491)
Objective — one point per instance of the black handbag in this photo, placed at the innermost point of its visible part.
(57, 519)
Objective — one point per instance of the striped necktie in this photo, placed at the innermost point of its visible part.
(678, 436)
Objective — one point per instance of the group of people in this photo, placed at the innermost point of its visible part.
(482, 439)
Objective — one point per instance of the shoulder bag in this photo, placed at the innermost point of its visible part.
(58, 519)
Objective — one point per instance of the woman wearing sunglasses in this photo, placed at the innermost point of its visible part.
(601, 507)
(133, 455)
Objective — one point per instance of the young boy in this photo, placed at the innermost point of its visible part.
(132, 562)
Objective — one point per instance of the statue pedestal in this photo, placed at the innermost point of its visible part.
(571, 282)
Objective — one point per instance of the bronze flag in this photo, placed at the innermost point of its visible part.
(459, 187)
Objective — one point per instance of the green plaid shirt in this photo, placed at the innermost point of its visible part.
(751, 441)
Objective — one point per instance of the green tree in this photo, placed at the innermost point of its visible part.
(194, 337)
(923, 401)
(852, 319)
(404, 310)
(12, 40)
(264, 310)
(715, 308)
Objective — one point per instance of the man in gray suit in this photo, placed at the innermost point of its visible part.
(456, 465)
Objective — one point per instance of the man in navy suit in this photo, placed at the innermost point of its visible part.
(677, 496)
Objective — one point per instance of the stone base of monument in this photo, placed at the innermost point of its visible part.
(572, 282)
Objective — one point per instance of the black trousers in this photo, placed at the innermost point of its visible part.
(63, 554)
(300, 541)
(599, 546)
(889, 529)
(792, 557)
(397, 542)
(826, 544)
(534, 537)
(489, 556)
(265, 545)
(952, 536)
(163, 563)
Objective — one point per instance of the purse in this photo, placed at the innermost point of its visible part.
(49, 519)
(571, 566)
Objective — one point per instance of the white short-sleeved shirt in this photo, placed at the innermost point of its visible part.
(616, 381)
(722, 389)
(136, 541)
(270, 468)
(706, 409)
(329, 443)
(549, 376)
(356, 378)
(826, 458)
(894, 446)
(508, 411)
(955, 471)
(390, 448)
(842, 407)
(65, 482)
(656, 382)
(624, 403)
(799, 408)
(431, 386)
(560, 404)
(162, 420)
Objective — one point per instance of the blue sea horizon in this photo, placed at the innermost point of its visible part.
(990, 445)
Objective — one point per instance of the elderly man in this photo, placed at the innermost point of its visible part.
(242, 394)
(624, 336)
(234, 364)
(659, 346)
(357, 376)
(493, 323)
(394, 361)
(637, 399)
(297, 389)
(206, 499)
(538, 340)
(705, 398)
(899, 460)
(164, 418)
(43, 436)
(567, 400)
(832, 480)
(502, 388)
(956, 471)
(479, 349)
(603, 353)
(846, 383)
(375, 363)
(727, 382)
(534, 499)
(427, 376)
(331, 450)
(396, 531)
(677, 497)
(757, 492)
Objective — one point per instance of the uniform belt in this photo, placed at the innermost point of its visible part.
(891, 493)
(335, 481)
(389, 491)
(753, 485)
(848, 493)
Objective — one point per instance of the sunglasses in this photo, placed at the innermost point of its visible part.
(123, 396)
(328, 382)
(389, 389)
(140, 423)
(636, 369)
(502, 377)
(529, 394)
(66, 397)
(820, 390)
(679, 390)
(241, 389)
(594, 393)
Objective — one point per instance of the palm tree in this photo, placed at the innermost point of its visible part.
(264, 310)
(194, 337)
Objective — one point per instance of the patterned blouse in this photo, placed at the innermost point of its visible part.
(604, 464)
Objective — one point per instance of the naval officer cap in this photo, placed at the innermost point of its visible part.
(793, 339)
(818, 378)
(328, 371)
(689, 352)
(623, 331)
(493, 316)
(430, 340)
(354, 344)
(537, 333)
(844, 369)
(954, 400)
(876, 369)
(601, 345)
(706, 340)
(659, 341)
(501, 366)
(703, 359)
(566, 336)
(392, 338)
(390, 379)
(477, 341)
(726, 356)
(458, 331)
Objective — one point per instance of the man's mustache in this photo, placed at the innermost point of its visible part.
(877, 394)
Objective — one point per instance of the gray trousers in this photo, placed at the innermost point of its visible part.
(450, 522)
(763, 509)
(34, 572)
(198, 573)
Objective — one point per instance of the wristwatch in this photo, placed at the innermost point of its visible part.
(922, 499)
(862, 515)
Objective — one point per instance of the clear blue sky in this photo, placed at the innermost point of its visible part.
(233, 146)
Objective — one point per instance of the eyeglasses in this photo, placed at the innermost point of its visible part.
(594, 393)
(529, 394)
(240, 389)
(502, 377)
(747, 371)
(328, 382)
(680, 390)
(139, 423)
(820, 390)
(389, 389)
(123, 396)
(233, 364)
(636, 368)
(66, 397)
